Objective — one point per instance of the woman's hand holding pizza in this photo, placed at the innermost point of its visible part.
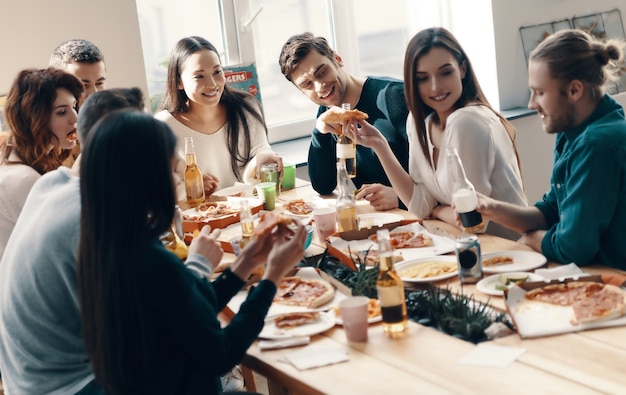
(287, 251)
(206, 244)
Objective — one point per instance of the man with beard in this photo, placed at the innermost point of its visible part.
(582, 218)
(317, 71)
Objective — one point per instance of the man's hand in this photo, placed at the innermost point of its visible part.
(381, 197)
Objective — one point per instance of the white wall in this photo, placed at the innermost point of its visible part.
(510, 16)
(31, 29)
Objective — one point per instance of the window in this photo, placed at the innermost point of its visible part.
(370, 37)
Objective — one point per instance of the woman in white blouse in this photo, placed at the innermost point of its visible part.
(447, 110)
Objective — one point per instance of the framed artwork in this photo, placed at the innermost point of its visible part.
(533, 35)
(602, 25)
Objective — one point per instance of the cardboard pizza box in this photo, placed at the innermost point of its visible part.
(189, 226)
(536, 319)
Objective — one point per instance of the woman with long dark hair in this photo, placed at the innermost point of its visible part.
(226, 124)
(150, 323)
(448, 110)
(40, 112)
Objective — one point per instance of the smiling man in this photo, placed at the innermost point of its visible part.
(582, 218)
(317, 71)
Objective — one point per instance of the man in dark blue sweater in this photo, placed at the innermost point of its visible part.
(314, 68)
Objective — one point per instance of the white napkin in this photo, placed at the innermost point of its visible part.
(561, 272)
(313, 357)
(491, 355)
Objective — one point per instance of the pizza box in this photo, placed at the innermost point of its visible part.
(221, 222)
(535, 319)
(339, 243)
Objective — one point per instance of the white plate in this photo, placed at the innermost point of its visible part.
(245, 190)
(488, 284)
(324, 322)
(301, 216)
(408, 264)
(378, 219)
(522, 261)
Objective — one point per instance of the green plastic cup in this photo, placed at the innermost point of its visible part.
(267, 193)
(289, 176)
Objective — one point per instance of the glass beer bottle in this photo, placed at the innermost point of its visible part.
(346, 204)
(464, 195)
(346, 150)
(194, 186)
(247, 223)
(390, 289)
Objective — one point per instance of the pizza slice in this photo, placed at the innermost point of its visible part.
(497, 260)
(340, 115)
(304, 293)
(292, 320)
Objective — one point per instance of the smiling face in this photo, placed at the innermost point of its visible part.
(439, 80)
(63, 120)
(202, 78)
(321, 80)
(92, 76)
(549, 98)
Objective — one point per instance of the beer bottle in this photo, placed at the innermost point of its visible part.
(194, 186)
(346, 150)
(464, 194)
(390, 289)
(247, 223)
(346, 204)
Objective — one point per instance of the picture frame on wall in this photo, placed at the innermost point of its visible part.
(533, 35)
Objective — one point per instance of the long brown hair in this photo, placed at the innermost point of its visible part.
(420, 45)
(28, 110)
(116, 229)
(237, 102)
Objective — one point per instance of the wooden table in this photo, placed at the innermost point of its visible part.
(426, 360)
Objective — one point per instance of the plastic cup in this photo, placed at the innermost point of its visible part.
(289, 176)
(353, 312)
(267, 193)
(325, 222)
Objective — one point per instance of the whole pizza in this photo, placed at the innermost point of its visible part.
(591, 301)
(310, 293)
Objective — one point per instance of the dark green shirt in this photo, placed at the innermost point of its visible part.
(585, 208)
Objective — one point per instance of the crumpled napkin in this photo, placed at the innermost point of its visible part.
(561, 272)
(313, 357)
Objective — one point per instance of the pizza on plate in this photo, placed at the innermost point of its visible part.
(406, 239)
(296, 291)
(291, 320)
(591, 301)
(497, 260)
(340, 115)
(298, 207)
(211, 210)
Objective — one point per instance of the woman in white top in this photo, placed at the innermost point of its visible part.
(228, 129)
(447, 110)
(40, 112)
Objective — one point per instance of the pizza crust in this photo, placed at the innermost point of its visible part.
(339, 115)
